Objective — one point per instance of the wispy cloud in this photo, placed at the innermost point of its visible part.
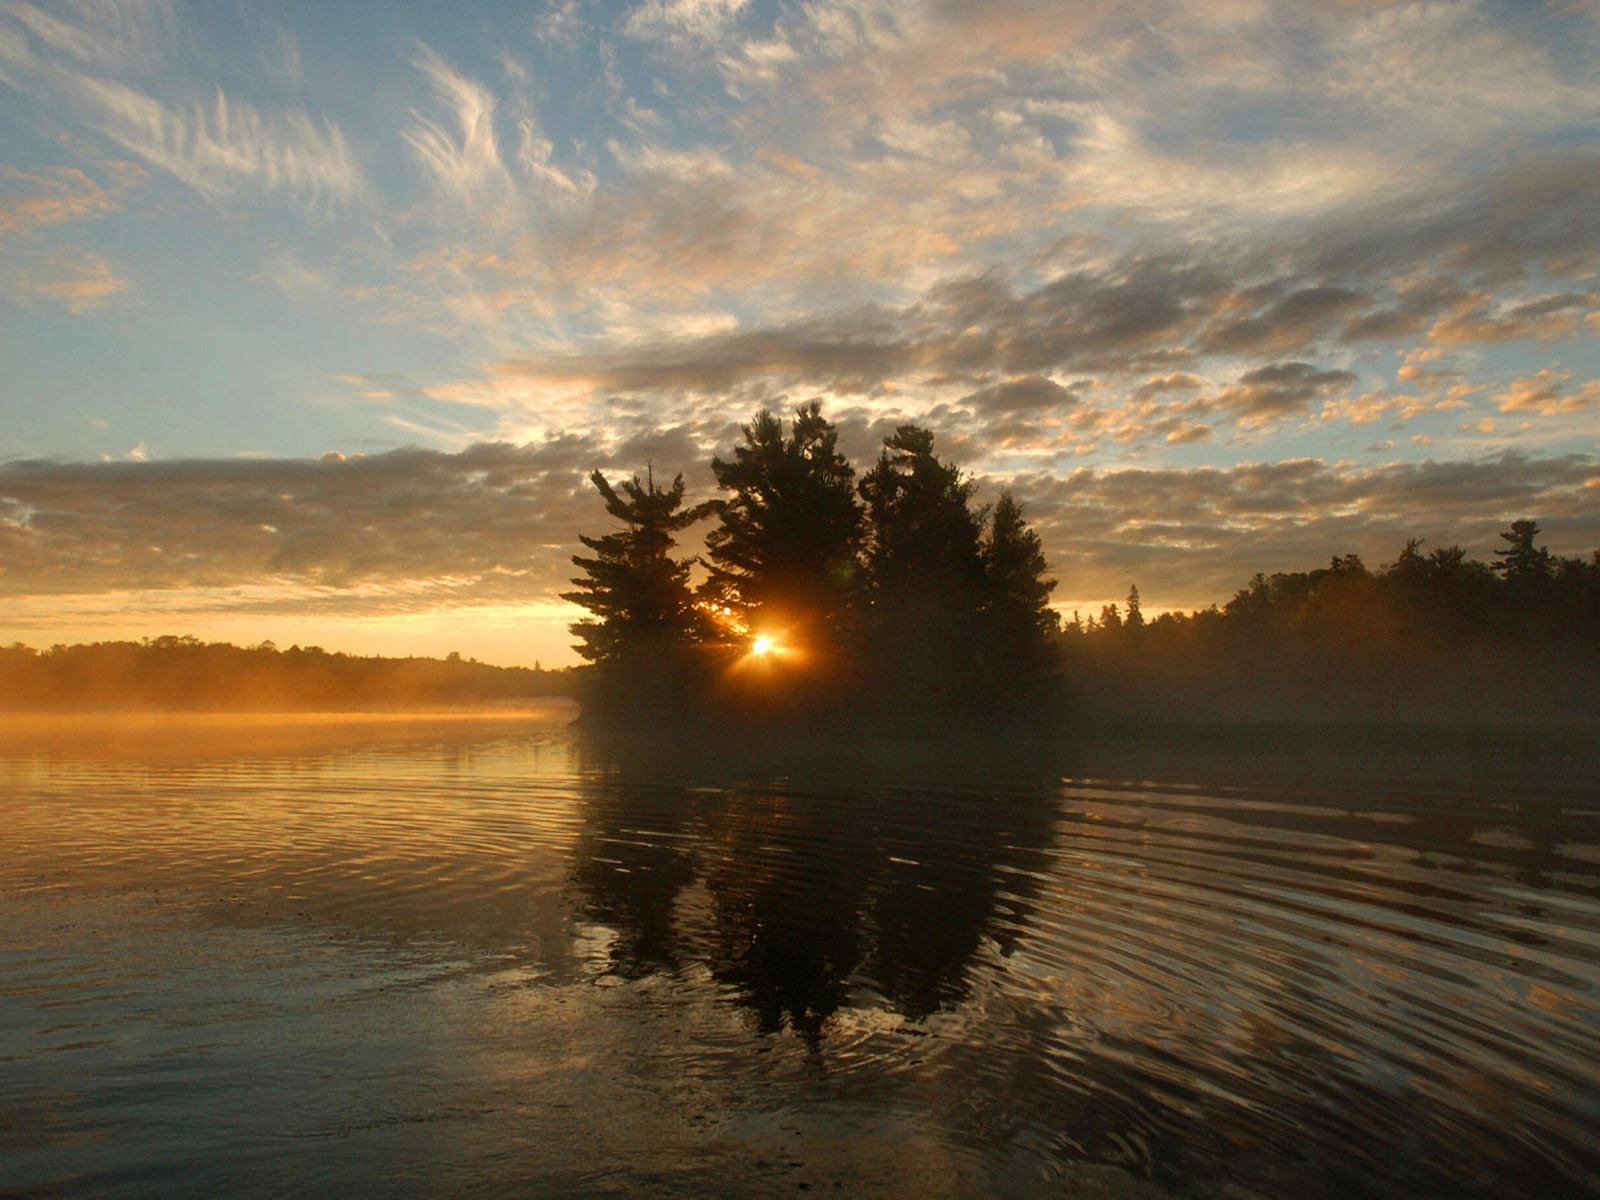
(38, 264)
(460, 151)
(216, 144)
(698, 21)
(219, 146)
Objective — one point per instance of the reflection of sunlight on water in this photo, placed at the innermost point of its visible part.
(399, 954)
(224, 737)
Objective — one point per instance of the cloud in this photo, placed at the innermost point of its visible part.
(104, 36)
(461, 153)
(684, 20)
(218, 145)
(1480, 318)
(76, 280)
(683, 226)
(1456, 73)
(1487, 225)
(500, 517)
(1023, 394)
(415, 529)
(35, 200)
(1281, 389)
(1191, 536)
(1545, 393)
(1272, 324)
(38, 263)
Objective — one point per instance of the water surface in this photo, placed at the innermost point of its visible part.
(487, 957)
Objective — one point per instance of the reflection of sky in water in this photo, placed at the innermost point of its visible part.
(477, 956)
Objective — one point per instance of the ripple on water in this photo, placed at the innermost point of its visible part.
(473, 954)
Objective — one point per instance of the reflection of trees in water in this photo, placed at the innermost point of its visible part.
(943, 890)
(788, 888)
(815, 893)
(631, 863)
(1129, 1035)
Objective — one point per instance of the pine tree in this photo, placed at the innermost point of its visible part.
(1135, 619)
(925, 588)
(639, 594)
(922, 533)
(1015, 577)
(1017, 635)
(1523, 563)
(786, 540)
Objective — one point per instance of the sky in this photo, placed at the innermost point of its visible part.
(314, 318)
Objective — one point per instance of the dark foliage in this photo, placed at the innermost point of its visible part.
(911, 608)
(915, 612)
(1432, 636)
(639, 594)
(784, 549)
(182, 673)
(645, 625)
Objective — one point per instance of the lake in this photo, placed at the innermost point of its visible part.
(489, 956)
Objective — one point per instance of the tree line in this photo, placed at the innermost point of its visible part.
(1433, 635)
(893, 598)
(183, 673)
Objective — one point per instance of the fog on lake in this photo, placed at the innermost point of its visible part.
(492, 956)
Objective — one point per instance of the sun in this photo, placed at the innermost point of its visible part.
(763, 645)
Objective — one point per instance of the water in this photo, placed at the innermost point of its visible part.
(483, 957)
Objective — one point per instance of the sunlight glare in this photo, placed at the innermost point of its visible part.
(762, 645)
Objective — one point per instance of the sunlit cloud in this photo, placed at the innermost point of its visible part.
(1133, 240)
(37, 263)
(38, 199)
(1189, 537)
(218, 145)
(692, 20)
(1546, 393)
(459, 151)
(76, 280)
(212, 142)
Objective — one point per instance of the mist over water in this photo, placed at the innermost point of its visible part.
(490, 957)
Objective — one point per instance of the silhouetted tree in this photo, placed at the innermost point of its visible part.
(1018, 626)
(639, 594)
(925, 578)
(1523, 563)
(922, 535)
(1016, 584)
(786, 540)
(1135, 619)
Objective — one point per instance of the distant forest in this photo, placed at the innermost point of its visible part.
(182, 673)
(1433, 636)
(896, 602)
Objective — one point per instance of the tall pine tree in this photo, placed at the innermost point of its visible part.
(923, 556)
(1016, 580)
(784, 550)
(924, 582)
(639, 594)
